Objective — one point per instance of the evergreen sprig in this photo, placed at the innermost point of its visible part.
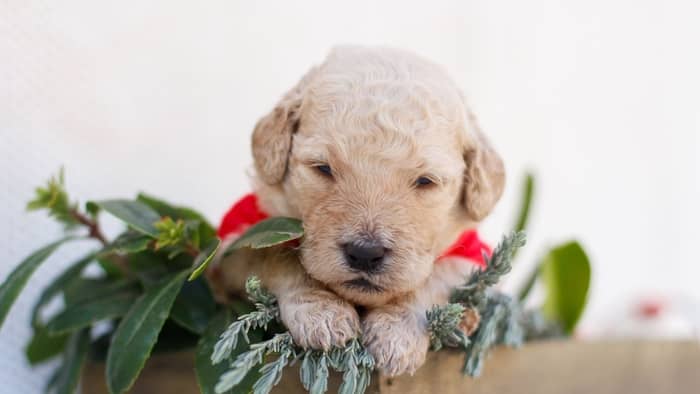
(353, 360)
(473, 293)
(500, 324)
(443, 325)
(266, 310)
(500, 315)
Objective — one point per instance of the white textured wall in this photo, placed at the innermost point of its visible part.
(600, 98)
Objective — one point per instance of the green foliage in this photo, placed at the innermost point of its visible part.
(128, 242)
(57, 285)
(176, 212)
(500, 315)
(266, 310)
(473, 292)
(194, 307)
(499, 325)
(566, 273)
(65, 381)
(18, 278)
(208, 373)
(525, 203)
(170, 233)
(529, 284)
(54, 199)
(206, 231)
(269, 232)
(82, 290)
(43, 347)
(204, 257)
(85, 314)
(136, 214)
(271, 373)
(162, 241)
(443, 325)
(138, 331)
(355, 363)
(353, 360)
(280, 344)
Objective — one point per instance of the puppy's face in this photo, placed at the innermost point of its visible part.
(380, 174)
(375, 203)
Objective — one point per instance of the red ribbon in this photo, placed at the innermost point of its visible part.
(245, 213)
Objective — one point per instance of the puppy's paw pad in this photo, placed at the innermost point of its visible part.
(320, 321)
(398, 346)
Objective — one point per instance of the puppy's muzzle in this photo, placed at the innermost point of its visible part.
(365, 255)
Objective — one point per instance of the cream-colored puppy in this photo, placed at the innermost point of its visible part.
(376, 152)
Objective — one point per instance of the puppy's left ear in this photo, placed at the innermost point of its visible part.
(272, 137)
(484, 177)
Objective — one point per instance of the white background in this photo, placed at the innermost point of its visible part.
(600, 98)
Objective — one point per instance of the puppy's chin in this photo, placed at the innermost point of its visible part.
(361, 292)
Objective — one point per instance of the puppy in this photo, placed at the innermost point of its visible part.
(378, 155)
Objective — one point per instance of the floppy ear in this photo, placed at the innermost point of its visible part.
(272, 136)
(484, 176)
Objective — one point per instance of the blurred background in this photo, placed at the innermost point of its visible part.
(600, 99)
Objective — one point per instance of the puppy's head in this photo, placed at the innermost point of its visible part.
(376, 152)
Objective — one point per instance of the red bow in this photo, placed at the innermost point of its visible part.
(245, 213)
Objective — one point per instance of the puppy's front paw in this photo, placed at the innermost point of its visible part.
(396, 338)
(318, 319)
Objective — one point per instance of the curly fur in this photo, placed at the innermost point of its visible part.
(380, 118)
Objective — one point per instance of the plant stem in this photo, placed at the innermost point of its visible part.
(92, 225)
(191, 250)
(95, 232)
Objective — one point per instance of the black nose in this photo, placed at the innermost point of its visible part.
(365, 256)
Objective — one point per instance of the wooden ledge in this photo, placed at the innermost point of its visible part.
(543, 367)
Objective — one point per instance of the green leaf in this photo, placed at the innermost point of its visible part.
(566, 273)
(75, 317)
(138, 331)
(136, 214)
(66, 381)
(206, 230)
(175, 338)
(269, 232)
(15, 282)
(150, 266)
(43, 347)
(204, 257)
(175, 212)
(109, 266)
(59, 283)
(83, 290)
(208, 374)
(194, 306)
(529, 283)
(525, 202)
(127, 243)
(92, 209)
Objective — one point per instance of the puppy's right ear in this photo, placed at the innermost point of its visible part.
(272, 137)
(485, 174)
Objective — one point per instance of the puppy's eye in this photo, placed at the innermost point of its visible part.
(324, 169)
(424, 181)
